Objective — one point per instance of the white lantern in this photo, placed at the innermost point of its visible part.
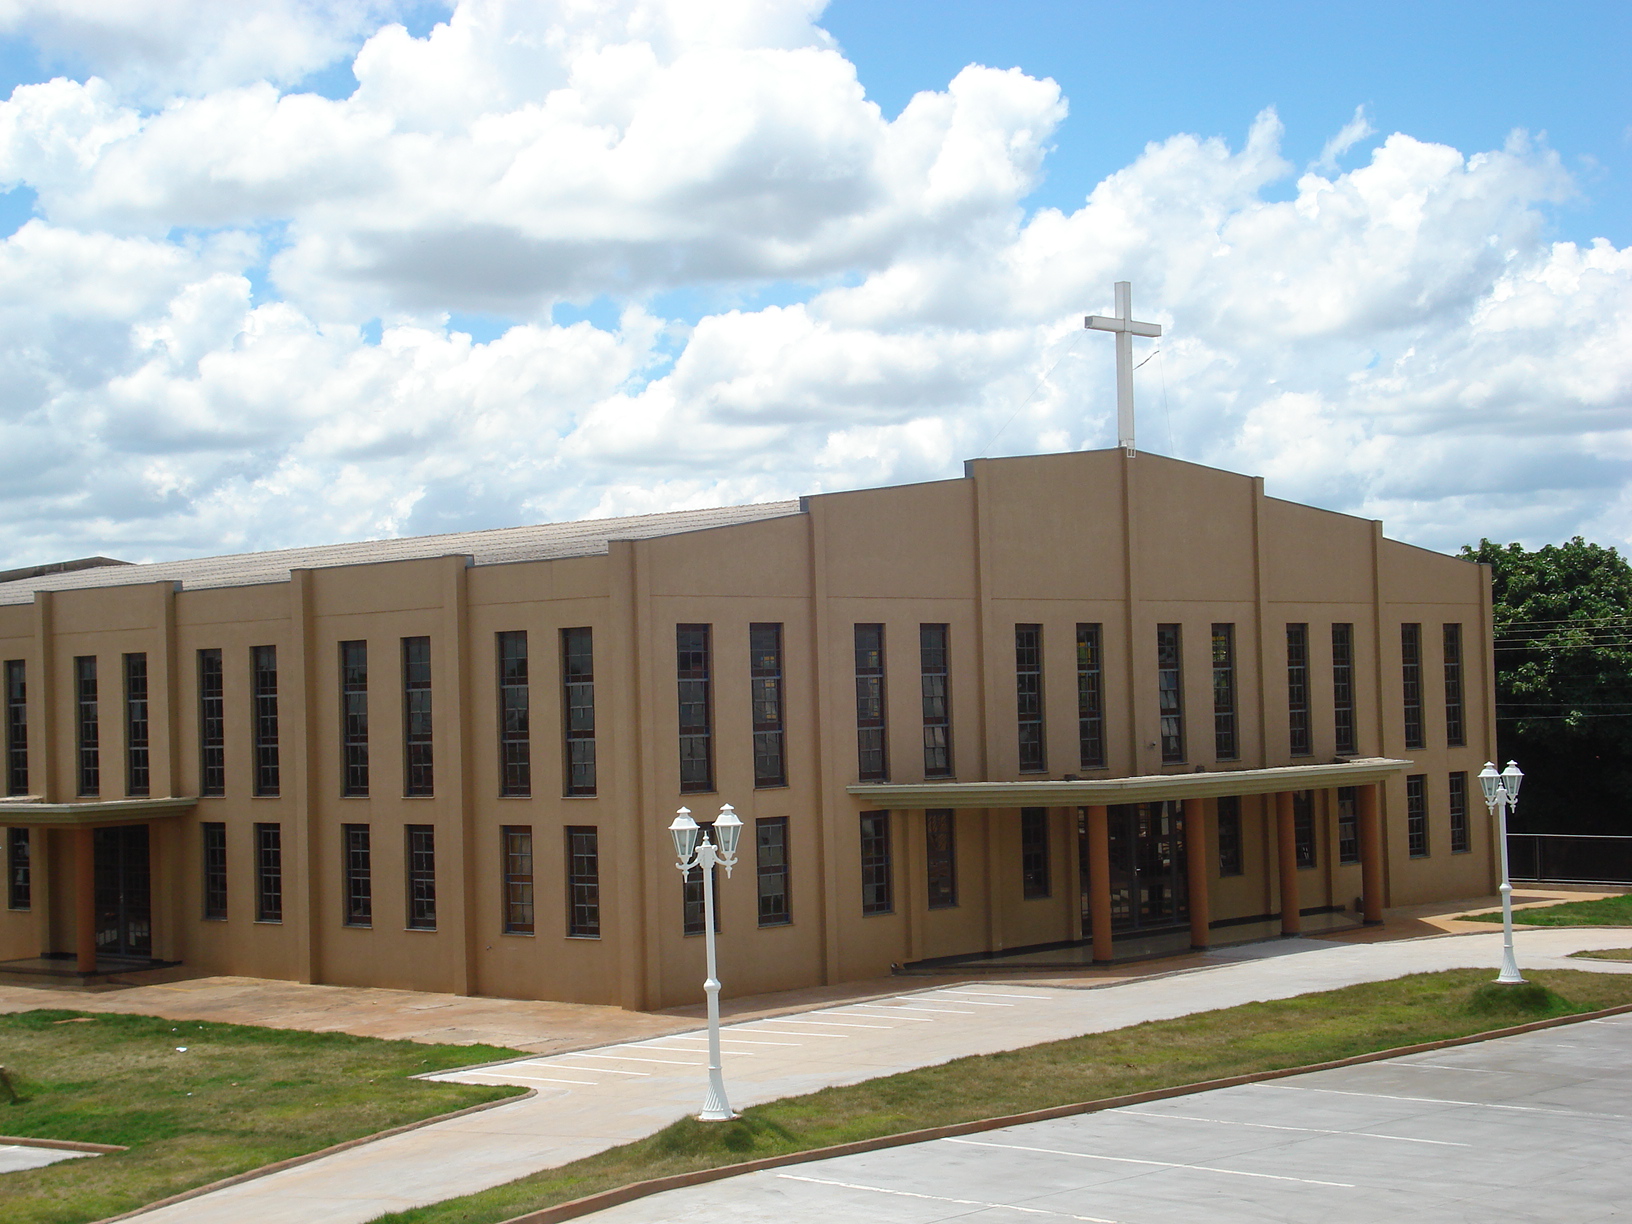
(1511, 777)
(1489, 781)
(727, 831)
(684, 832)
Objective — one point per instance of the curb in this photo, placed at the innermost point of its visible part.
(293, 1161)
(66, 1145)
(638, 1190)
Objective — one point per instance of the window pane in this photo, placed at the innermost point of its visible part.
(1170, 692)
(354, 717)
(1225, 747)
(877, 869)
(934, 681)
(765, 685)
(583, 882)
(215, 869)
(359, 875)
(872, 765)
(941, 847)
(421, 878)
(693, 664)
(264, 688)
(418, 764)
(1028, 693)
(518, 879)
(1034, 852)
(212, 753)
(1297, 688)
(578, 710)
(1090, 699)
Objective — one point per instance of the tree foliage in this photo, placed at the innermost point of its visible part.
(1563, 622)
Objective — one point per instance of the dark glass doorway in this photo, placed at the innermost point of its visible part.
(1148, 883)
(124, 909)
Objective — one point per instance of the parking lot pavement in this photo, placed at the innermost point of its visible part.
(1529, 1128)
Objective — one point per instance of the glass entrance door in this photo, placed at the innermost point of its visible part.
(1148, 884)
(124, 917)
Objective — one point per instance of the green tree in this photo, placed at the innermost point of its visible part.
(1563, 620)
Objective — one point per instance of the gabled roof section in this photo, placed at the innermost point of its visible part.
(544, 542)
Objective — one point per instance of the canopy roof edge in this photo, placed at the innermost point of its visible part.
(1150, 788)
(33, 812)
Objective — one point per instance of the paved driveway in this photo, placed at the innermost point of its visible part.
(1530, 1128)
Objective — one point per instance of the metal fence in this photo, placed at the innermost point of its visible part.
(1569, 858)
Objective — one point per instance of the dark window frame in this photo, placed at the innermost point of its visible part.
(1090, 696)
(517, 877)
(578, 743)
(935, 688)
(213, 849)
(263, 712)
(138, 765)
(1348, 825)
(357, 871)
(583, 882)
(354, 719)
(1300, 739)
(771, 871)
(420, 861)
(1461, 827)
(1035, 874)
(694, 684)
(1343, 726)
(19, 868)
(16, 680)
(212, 723)
(87, 730)
(1031, 730)
(1416, 816)
(693, 904)
(766, 701)
(872, 709)
(268, 872)
(1170, 691)
(1231, 846)
(941, 858)
(1226, 740)
(515, 714)
(1305, 845)
(1455, 721)
(418, 720)
(1411, 684)
(877, 865)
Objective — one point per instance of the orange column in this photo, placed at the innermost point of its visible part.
(1197, 856)
(1371, 851)
(1286, 843)
(85, 898)
(1099, 881)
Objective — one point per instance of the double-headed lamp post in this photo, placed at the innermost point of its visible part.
(703, 855)
(1501, 797)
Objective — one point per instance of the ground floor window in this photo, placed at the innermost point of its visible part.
(359, 875)
(1034, 852)
(518, 879)
(421, 878)
(1348, 825)
(1303, 827)
(215, 869)
(1416, 815)
(695, 904)
(941, 845)
(771, 847)
(19, 870)
(583, 882)
(268, 873)
(1229, 836)
(877, 869)
(1460, 840)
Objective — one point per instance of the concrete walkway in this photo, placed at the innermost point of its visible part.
(594, 1099)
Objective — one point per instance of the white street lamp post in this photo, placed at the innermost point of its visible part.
(1501, 797)
(689, 853)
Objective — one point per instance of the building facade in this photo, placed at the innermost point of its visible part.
(1065, 699)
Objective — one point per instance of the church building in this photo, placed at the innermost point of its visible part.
(1080, 706)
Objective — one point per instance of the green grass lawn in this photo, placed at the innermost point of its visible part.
(1611, 911)
(1614, 954)
(236, 1098)
(1210, 1045)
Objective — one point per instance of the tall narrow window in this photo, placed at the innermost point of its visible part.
(1411, 678)
(1416, 815)
(872, 763)
(694, 904)
(212, 725)
(1229, 836)
(419, 774)
(1343, 689)
(1460, 840)
(583, 882)
(877, 867)
(1090, 699)
(1225, 747)
(1348, 825)
(215, 870)
(578, 701)
(268, 873)
(1170, 692)
(1034, 852)
(359, 875)
(518, 879)
(941, 857)
(1455, 735)
(935, 679)
(137, 773)
(1303, 827)
(354, 716)
(263, 667)
(765, 683)
(421, 878)
(19, 870)
(88, 726)
(515, 717)
(1297, 689)
(16, 727)
(771, 849)
(693, 665)
(1028, 696)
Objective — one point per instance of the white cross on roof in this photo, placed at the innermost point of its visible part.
(1126, 328)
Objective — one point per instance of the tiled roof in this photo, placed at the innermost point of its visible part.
(547, 541)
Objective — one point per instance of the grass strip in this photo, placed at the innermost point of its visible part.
(195, 1102)
(1607, 911)
(1609, 954)
(1160, 1054)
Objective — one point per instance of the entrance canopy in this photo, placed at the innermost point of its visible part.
(33, 813)
(1093, 792)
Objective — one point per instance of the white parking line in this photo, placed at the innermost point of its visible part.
(541, 1079)
(988, 994)
(667, 1062)
(960, 999)
(1383, 1096)
(913, 1019)
(780, 1033)
(1449, 1067)
(1313, 1130)
(601, 1070)
(685, 1050)
(742, 1040)
(837, 1024)
(936, 1198)
(939, 1011)
(1160, 1164)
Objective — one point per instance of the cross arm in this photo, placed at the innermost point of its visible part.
(1113, 324)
